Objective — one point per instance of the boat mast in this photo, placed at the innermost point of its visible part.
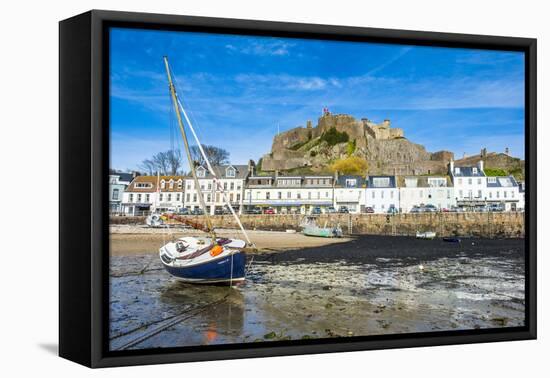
(174, 97)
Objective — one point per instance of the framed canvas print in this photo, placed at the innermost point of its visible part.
(252, 188)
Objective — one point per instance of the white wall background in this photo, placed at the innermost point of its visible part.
(28, 161)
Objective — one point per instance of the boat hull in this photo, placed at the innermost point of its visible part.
(222, 270)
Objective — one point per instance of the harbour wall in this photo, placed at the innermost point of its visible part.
(489, 225)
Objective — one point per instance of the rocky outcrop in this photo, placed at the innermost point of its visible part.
(385, 148)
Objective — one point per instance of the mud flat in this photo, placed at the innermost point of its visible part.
(366, 286)
(137, 240)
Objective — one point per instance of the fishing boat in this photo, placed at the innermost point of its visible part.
(201, 259)
(425, 235)
(451, 239)
(311, 228)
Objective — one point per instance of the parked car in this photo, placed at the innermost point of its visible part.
(226, 211)
(316, 211)
(269, 210)
(253, 210)
(183, 211)
(343, 210)
(457, 209)
(429, 208)
(331, 210)
(218, 211)
(197, 211)
(392, 210)
(369, 210)
(495, 207)
(417, 209)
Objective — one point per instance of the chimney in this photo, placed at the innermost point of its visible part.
(507, 151)
(451, 166)
(480, 165)
(309, 124)
(251, 166)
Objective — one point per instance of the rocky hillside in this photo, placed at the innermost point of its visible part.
(335, 137)
(496, 164)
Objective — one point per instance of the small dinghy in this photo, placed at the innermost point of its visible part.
(310, 228)
(452, 240)
(425, 235)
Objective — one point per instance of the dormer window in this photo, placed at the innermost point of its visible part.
(162, 184)
(201, 172)
(180, 184)
(230, 172)
(171, 184)
(474, 170)
(457, 171)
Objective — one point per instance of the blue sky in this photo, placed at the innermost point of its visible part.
(239, 89)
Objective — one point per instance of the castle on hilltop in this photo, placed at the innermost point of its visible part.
(386, 149)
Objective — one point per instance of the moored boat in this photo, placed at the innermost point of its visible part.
(310, 228)
(425, 235)
(200, 259)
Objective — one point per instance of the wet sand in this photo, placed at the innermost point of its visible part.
(135, 240)
(370, 285)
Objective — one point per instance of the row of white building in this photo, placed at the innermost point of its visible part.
(463, 187)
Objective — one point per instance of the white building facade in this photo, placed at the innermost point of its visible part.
(469, 184)
(118, 182)
(382, 194)
(290, 194)
(421, 190)
(349, 191)
(231, 180)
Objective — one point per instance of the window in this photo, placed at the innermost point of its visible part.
(178, 197)
(188, 197)
(373, 194)
(139, 197)
(498, 194)
(169, 197)
(115, 194)
(267, 195)
(460, 193)
(380, 182)
(180, 184)
(147, 198)
(457, 171)
(232, 186)
(194, 197)
(490, 194)
(201, 172)
(350, 183)
(224, 186)
(505, 194)
(230, 172)
(279, 195)
(230, 197)
(160, 197)
(299, 195)
(326, 194)
(382, 195)
(209, 186)
(391, 194)
(131, 197)
(479, 181)
(469, 181)
(474, 170)
(171, 184)
(209, 198)
(144, 185)
(448, 194)
(238, 197)
(459, 181)
(318, 195)
(479, 193)
(162, 184)
(288, 195)
(202, 186)
(513, 194)
(308, 195)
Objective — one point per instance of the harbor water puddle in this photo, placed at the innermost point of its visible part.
(301, 299)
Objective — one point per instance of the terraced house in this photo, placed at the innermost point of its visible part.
(147, 194)
(290, 194)
(437, 191)
(232, 179)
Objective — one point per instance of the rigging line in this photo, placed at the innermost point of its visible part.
(216, 180)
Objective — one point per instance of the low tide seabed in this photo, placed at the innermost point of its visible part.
(371, 285)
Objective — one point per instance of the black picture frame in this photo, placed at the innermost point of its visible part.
(83, 163)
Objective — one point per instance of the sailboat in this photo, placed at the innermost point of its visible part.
(205, 259)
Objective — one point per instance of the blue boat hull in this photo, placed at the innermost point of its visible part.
(213, 271)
